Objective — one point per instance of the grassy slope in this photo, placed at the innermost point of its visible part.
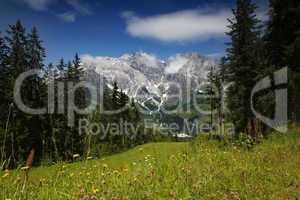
(200, 170)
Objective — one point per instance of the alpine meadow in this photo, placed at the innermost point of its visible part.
(136, 100)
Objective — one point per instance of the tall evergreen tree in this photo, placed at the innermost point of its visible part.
(115, 98)
(17, 64)
(244, 34)
(35, 58)
(75, 75)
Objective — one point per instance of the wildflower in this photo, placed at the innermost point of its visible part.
(85, 197)
(172, 195)
(235, 196)
(82, 190)
(95, 190)
(225, 197)
(105, 165)
(93, 197)
(76, 155)
(115, 171)
(7, 198)
(72, 174)
(5, 175)
(25, 168)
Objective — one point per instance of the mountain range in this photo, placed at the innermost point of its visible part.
(153, 82)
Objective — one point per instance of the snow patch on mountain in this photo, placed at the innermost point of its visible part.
(175, 64)
(148, 78)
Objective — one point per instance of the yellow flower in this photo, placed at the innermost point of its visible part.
(125, 170)
(7, 198)
(76, 155)
(24, 168)
(5, 175)
(104, 165)
(95, 190)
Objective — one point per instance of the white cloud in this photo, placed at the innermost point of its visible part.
(80, 7)
(68, 17)
(39, 5)
(199, 24)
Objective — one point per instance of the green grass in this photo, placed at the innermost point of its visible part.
(202, 169)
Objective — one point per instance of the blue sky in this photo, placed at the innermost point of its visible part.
(112, 28)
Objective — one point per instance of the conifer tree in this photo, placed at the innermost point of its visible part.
(115, 96)
(244, 34)
(17, 63)
(35, 58)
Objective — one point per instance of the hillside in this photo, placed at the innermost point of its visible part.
(202, 169)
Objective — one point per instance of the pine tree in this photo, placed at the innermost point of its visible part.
(35, 58)
(17, 61)
(244, 34)
(75, 74)
(17, 64)
(115, 96)
(50, 123)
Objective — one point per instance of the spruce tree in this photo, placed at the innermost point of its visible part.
(115, 96)
(75, 76)
(242, 69)
(17, 64)
(35, 58)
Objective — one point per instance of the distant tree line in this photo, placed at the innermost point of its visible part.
(257, 49)
(49, 135)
